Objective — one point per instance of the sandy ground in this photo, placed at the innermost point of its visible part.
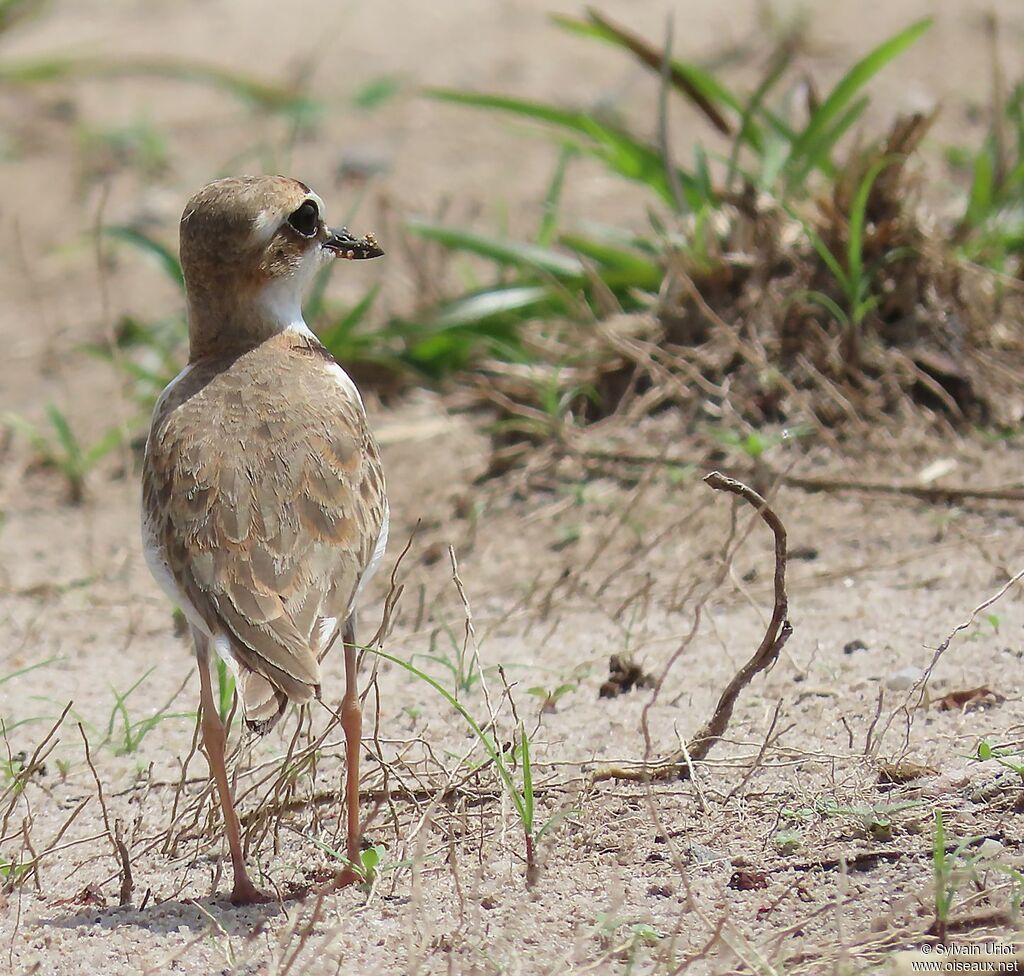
(789, 853)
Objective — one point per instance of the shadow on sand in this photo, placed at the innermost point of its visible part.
(170, 916)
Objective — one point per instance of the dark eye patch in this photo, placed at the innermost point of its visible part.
(306, 220)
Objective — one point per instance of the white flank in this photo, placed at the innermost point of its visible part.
(156, 560)
(328, 627)
(378, 555)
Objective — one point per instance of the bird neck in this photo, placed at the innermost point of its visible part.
(227, 321)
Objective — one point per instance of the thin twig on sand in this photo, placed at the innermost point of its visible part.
(777, 633)
(114, 833)
(779, 627)
(127, 881)
(915, 697)
(927, 493)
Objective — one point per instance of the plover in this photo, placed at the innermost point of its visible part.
(264, 510)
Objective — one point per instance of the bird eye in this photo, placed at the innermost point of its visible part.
(306, 220)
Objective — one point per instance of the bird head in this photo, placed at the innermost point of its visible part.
(251, 246)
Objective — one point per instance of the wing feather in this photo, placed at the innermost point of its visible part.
(264, 496)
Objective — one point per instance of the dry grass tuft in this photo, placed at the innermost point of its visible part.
(859, 316)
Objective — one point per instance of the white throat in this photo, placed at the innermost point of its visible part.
(281, 304)
(281, 300)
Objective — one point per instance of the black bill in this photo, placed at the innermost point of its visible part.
(345, 245)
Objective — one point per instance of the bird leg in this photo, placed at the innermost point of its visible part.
(352, 724)
(244, 891)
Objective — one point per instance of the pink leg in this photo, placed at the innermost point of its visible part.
(352, 724)
(244, 891)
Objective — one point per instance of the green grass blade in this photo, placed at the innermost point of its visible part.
(702, 177)
(440, 354)
(701, 88)
(567, 119)
(355, 315)
(830, 261)
(852, 82)
(828, 258)
(163, 255)
(528, 257)
(981, 198)
(485, 740)
(515, 302)
(39, 443)
(107, 442)
(773, 162)
(314, 305)
(1013, 184)
(616, 148)
(707, 86)
(15, 11)
(750, 132)
(120, 708)
(376, 92)
(940, 865)
(65, 437)
(25, 670)
(618, 266)
(135, 733)
(819, 154)
(334, 335)
(225, 689)
(552, 199)
(857, 219)
(713, 98)
(829, 304)
(152, 378)
(255, 91)
(527, 781)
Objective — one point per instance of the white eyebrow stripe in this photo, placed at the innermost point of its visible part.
(265, 225)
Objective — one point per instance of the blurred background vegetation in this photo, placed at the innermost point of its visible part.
(781, 221)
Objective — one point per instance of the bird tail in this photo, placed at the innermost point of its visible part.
(266, 688)
(262, 703)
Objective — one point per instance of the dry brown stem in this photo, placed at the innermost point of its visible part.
(929, 493)
(16, 787)
(908, 709)
(777, 633)
(113, 833)
(127, 882)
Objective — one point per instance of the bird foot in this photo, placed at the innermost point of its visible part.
(246, 893)
(334, 881)
(345, 877)
(298, 892)
(322, 883)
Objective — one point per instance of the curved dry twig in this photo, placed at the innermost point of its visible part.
(779, 629)
(775, 637)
